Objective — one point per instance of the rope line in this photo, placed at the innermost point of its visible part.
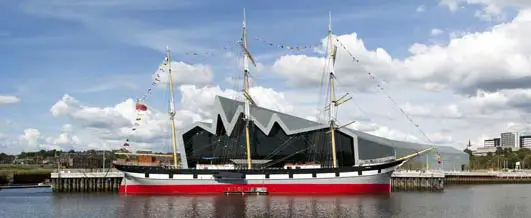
(289, 47)
(385, 92)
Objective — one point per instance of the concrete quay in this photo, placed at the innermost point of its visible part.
(86, 180)
(402, 181)
(468, 177)
(488, 177)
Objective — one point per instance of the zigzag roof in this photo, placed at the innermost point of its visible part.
(228, 110)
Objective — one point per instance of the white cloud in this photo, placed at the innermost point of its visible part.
(492, 9)
(480, 81)
(94, 117)
(186, 74)
(458, 34)
(482, 104)
(436, 32)
(417, 110)
(490, 60)
(495, 59)
(201, 100)
(31, 138)
(421, 8)
(441, 138)
(451, 111)
(451, 4)
(418, 48)
(308, 71)
(8, 99)
(92, 127)
(385, 131)
(112, 124)
(434, 86)
(233, 81)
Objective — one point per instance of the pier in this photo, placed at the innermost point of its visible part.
(437, 180)
(24, 186)
(488, 177)
(86, 180)
(417, 181)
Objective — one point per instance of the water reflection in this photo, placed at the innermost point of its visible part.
(255, 206)
(483, 201)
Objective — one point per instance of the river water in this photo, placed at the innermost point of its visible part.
(477, 201)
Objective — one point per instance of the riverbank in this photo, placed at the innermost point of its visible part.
(21, 174)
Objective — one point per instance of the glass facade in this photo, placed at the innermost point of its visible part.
(306, 147)
(372, 150)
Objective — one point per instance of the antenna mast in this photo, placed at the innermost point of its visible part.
(172, 109)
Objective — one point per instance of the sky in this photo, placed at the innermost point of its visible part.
(440, 72)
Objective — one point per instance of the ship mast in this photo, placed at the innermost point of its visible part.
(172, 109)
(248, 100)
(333, 103)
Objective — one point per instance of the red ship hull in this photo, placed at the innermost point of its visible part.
(346, 180)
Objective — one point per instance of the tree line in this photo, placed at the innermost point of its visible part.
(502, 158)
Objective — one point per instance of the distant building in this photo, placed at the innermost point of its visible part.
(483, 151)
(497, 142)
(525, 140)
(489, 143)
(509, 139)
(86, 159)
(292, 140)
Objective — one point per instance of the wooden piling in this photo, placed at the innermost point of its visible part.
(86, 180)
(457, 178)
(417, 181)
(428, 181)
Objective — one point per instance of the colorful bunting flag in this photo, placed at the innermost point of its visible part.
(295, 48)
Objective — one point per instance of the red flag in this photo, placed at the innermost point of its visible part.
(141, 107)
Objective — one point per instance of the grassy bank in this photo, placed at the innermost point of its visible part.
(7, 172)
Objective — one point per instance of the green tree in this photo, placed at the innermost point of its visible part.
(526, 163)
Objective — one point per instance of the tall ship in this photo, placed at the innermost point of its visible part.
(251, 149)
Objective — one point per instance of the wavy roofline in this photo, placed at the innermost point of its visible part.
(229, 126)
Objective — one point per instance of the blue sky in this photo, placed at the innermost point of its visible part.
(103, 52)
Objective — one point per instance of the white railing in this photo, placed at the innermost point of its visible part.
(95, 170)
(378, 160)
